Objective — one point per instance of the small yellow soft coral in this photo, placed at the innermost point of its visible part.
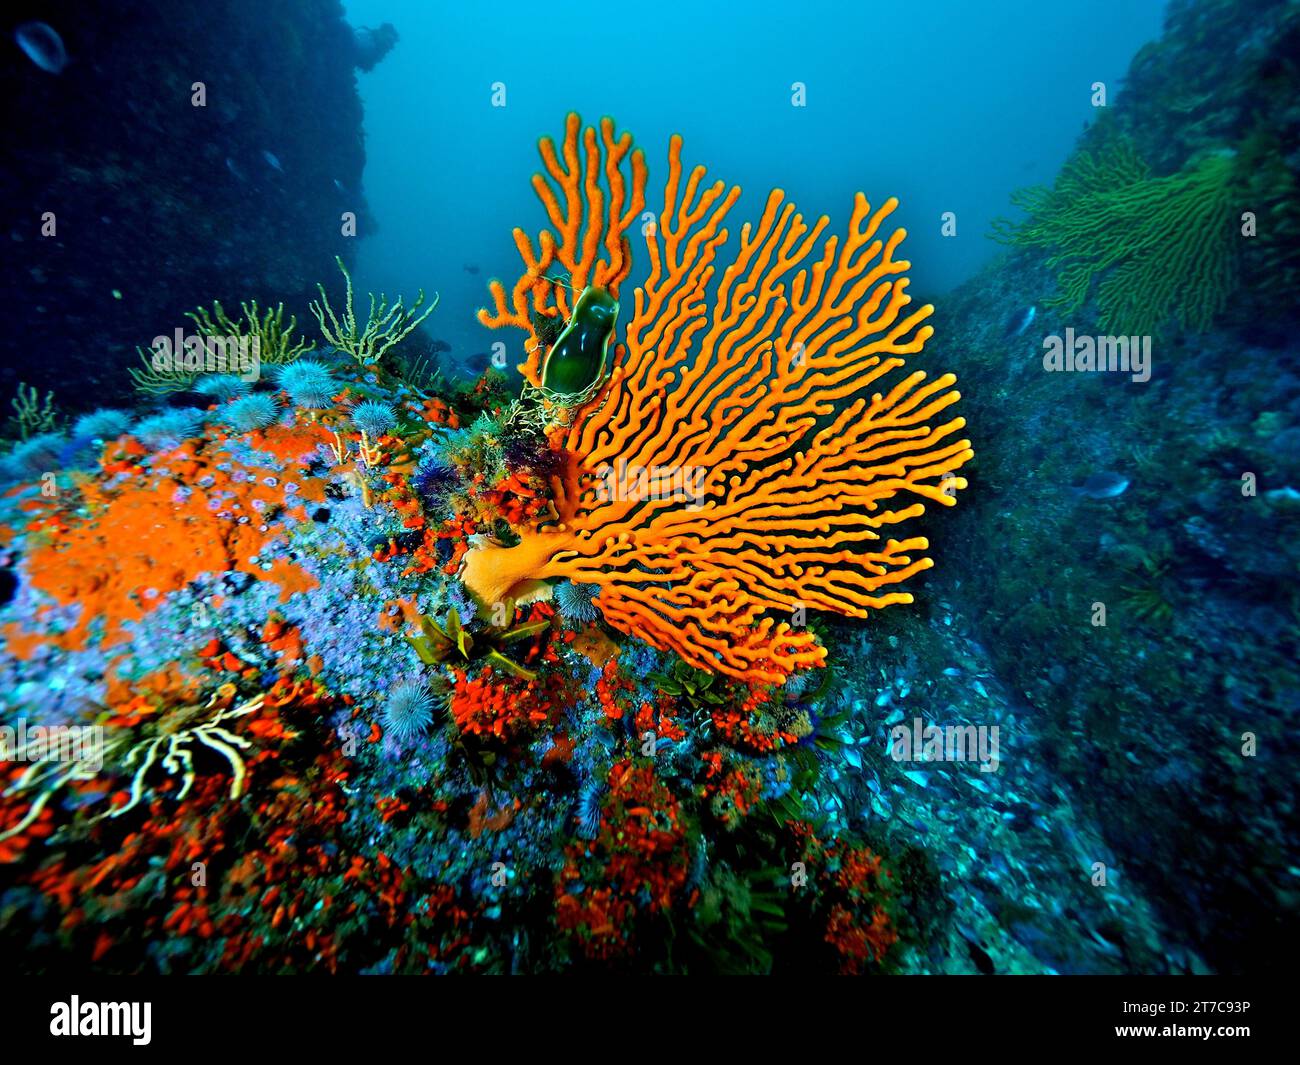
(740, 463)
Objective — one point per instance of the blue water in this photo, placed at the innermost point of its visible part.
(949, 107)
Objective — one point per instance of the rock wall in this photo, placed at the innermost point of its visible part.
(160, 205)
(1148, 714)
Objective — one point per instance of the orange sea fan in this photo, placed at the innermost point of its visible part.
(578, 250)
(741, 462)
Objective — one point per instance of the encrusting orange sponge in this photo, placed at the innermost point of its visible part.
(756, 441)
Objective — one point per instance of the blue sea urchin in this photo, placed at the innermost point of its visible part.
(574, 602)
(309, 383)
(101, 425)
(222, 386)
(257, 410)
(409, 710)
(169, 428)
(373, 417)
(37, 455)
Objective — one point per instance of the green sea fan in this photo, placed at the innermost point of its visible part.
(386, 326)
(1154, 248)
(275, 341)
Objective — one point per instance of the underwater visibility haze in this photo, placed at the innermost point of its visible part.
(803, 490)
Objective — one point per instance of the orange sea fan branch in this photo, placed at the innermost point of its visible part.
(584, 222)
(753, 441)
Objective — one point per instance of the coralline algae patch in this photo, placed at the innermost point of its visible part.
(286, 784)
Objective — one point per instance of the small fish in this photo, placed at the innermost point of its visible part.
(470, 268)
(42, 44)
(340, 186)
(1106, 945)
(234, 169)
(1106, 485)
(1021, 320)
(272, 161)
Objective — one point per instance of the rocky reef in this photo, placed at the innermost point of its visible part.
(1146, 628)
(169, 161)
(268, 708)
(350, 668)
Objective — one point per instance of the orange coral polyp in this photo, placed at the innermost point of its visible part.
(782, 397)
